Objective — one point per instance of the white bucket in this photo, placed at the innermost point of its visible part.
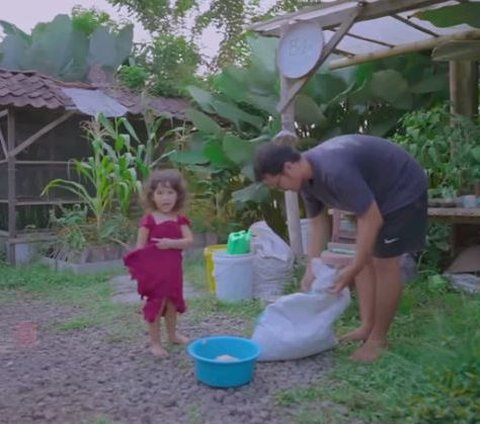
(233, 276)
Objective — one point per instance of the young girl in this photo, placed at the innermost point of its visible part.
(156, 264)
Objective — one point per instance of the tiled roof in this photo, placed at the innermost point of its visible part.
(28, 88)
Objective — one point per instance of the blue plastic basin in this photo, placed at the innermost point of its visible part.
(216, 373)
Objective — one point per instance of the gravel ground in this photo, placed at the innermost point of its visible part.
(83, 376)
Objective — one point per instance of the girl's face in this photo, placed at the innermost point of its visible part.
(165, 198)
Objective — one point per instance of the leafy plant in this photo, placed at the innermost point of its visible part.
(239, 113)
(451, 15)
(88, 20)
(65, 48)
(451, 395)
(96, 172)
(446, 145)
(133, 77)
(437, 248)
(108, 182)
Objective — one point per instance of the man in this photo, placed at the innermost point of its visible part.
(385, 188)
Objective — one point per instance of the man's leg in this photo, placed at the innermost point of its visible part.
(365, 284)
(387, 295)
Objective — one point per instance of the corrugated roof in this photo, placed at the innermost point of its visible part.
(381, 26)
(31, 89)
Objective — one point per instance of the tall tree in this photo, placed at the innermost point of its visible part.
(231, 17)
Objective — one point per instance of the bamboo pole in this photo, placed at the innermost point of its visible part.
(291, 198)
(47, 128)
(331, 15)
(3, 144)
(404, 49)
(464, 87)
(329, 48)
(12, 221)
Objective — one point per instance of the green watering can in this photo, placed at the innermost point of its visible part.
(239, 243)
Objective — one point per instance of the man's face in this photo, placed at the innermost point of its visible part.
(289, 179)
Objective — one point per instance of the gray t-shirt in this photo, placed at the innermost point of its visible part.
(350, 171)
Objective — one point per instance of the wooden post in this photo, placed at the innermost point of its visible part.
(12, 195)
(291, 198)
(464, 87)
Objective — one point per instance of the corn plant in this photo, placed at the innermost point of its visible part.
(94, 189)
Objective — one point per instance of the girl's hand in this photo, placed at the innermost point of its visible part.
(163, 243)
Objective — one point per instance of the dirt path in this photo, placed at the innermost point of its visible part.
(86, 376)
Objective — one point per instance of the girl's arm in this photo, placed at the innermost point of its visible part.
(182, 243)
(142, 237)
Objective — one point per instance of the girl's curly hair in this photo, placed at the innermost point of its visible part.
(169, 178)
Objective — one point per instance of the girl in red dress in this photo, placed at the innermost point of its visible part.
(156, 263)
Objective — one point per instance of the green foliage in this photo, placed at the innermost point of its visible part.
(65, 48)
(437, 249)
(451, 15)
(88, 20)
(446, 145)
(239, 113)
(133, 77)
(429, 375)
(109, 182)
(451, 395)
(173, 61)
(228, 17)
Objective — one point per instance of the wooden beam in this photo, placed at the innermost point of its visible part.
(43, 162)
(464, 87)
(329, 48)
(11, 183)
(370, 40)
(403, 49)
(3, 144)
(44, 202)
(343, 53)
(414, 25)
(47, 128)
(291, 198)
(338, 14)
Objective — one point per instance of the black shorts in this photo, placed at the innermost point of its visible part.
(403, 231)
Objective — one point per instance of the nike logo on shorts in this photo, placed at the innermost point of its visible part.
(392, 240)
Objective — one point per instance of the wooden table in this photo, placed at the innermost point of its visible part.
(459, 218)
(455, 215)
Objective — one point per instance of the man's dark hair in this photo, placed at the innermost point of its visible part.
(270, 158)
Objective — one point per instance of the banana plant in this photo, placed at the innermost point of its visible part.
(60, 50)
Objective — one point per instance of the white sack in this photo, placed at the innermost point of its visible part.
(272, 264)
(301, 324)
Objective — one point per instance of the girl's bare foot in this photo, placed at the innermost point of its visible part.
(179, 339)
(158, 351)
(370, 351)
(359, 335)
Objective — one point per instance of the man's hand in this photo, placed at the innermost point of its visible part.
(307, 280)
(344, 278)
(163, 243)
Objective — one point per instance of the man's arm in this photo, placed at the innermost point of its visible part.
(368, 226)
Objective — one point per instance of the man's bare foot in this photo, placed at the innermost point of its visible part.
(158, 351)
(369, 352)
(179, 339)
(359, 335)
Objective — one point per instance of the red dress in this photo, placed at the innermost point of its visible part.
(158, 272)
